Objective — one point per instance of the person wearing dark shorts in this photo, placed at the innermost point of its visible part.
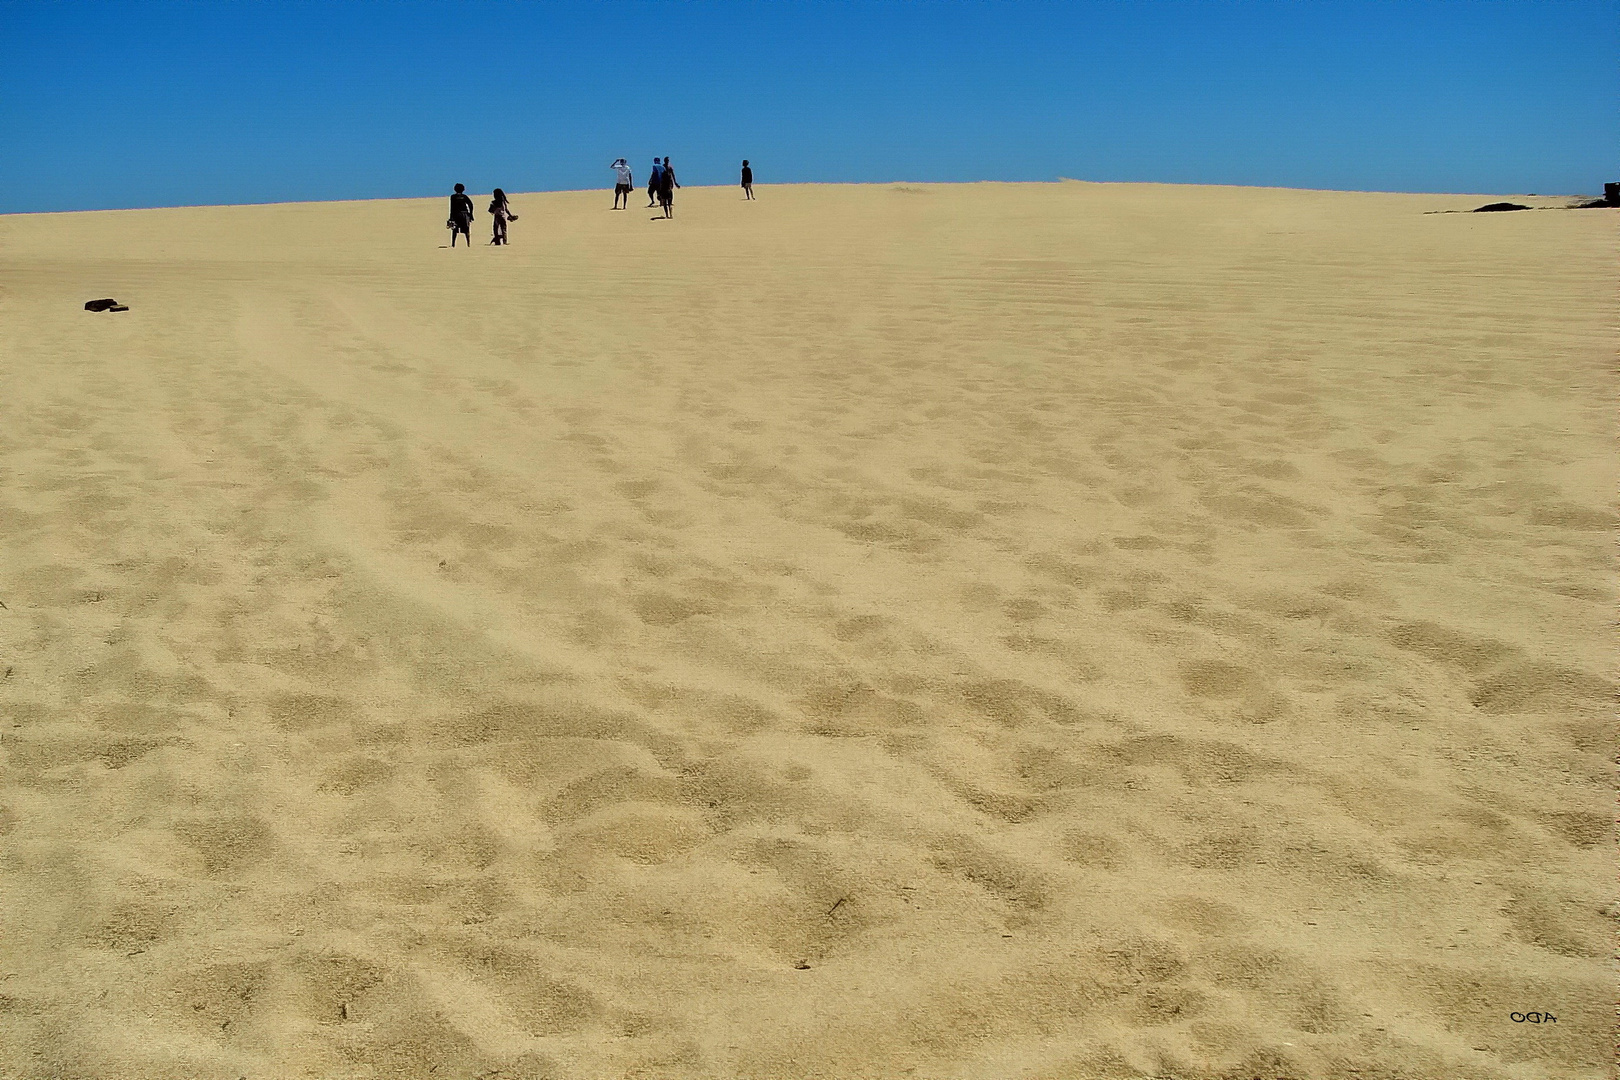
(461, 215)
(624, 183)
(747, 180)
(666, 189)
(653, 182)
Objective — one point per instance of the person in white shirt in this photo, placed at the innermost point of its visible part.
(624, 184)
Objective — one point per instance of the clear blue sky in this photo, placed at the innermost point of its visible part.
(160, 103)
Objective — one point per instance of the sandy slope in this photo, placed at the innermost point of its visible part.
(990, 631)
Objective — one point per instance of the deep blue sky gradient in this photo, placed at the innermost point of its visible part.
(124, 104)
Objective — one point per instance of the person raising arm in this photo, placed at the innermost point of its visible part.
(623, 184)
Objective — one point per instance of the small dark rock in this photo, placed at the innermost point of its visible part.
(1495, 206)
(101, 305)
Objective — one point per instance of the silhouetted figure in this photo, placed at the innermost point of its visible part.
(747, 180)
(666, 189)
(501, 211)
(654, 182)
(461, 215)
(623, 183)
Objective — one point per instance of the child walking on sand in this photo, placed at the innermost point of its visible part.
(747, 180)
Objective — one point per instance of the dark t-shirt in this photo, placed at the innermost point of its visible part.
(748, 175)
(666, 181)
(461, 206)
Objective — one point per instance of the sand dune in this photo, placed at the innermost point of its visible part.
(993, 631)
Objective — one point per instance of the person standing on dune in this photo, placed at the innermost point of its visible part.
(461, 215)
(623, 184)
(747, 180)
(502, 213)
(666, 189)
(654, 182)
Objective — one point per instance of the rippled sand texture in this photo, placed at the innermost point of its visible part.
(998, 631)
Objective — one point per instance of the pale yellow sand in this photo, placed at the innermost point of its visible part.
(998, 631)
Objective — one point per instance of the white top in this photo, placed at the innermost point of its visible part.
(623, 173)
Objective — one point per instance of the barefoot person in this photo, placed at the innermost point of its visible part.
(623, 183)
(747, 180)
(666, 189)
(654, 182)
(461, 215)
(501, 211)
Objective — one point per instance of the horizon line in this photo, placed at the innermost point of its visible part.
(814, 183)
